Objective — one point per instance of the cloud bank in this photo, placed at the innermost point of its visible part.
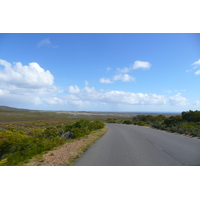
(73, 89)
(31, 85)
(30, 76)
(89, 95)
(22, 85)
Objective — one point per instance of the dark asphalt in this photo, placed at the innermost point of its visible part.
(129, 145)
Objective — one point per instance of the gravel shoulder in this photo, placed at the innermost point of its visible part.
(66, 154)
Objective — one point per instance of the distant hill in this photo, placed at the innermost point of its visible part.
(6, 108)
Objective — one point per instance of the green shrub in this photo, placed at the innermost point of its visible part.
(83, 127)
(16, 146)
(26, 149)
(112, 120)
(191, 116)
(51, 132)
(173, 129)
(173, 121)
(141, 123)
(20, 141)
(156, 124)
(127, 122)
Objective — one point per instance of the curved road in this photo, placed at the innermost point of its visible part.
(129, 145)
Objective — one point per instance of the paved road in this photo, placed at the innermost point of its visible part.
(129, 145)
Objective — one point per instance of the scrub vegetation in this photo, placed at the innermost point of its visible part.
(187, 123)
(22, 140)
(25, 134)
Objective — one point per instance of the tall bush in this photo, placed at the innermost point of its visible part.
(83, 127)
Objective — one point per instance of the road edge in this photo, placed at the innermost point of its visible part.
(67, 154)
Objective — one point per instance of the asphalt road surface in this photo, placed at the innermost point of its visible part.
(129, 145)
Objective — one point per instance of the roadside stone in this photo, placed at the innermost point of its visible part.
(67, 135)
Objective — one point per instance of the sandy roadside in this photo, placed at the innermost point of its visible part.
(66, 154)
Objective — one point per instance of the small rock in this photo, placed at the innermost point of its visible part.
(67, 135)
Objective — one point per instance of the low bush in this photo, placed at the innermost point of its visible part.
(188, 123)
(140, 123)
(191, 116)
(83, 127)
(17, 146)
(127, 122)
(109, 120)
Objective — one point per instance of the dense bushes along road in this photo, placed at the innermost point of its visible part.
(187, 123)
(20, 143)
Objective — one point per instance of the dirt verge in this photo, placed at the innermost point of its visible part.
(66, 154)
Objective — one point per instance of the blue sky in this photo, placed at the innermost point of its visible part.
(100, 71)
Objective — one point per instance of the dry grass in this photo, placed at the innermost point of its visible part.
(67, 154)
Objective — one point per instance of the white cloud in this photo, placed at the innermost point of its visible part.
(123, 70)
(197, 103)
(169, 91)
(70, 100)
(124, 98)
(54, 101)
(105, 80)
(89, 98)
(188, 70)
(174, 91)
(141, 64)
(89, 90)
(74, 100)
(3, 92)
(73, 89)
(5, 63)
(32, 85)
(184, 90)
(178, 100)
(46, 42)
(22, 85)
(86, 83)
(196, 63)
(124, 78)
(37, 101)
(90, 94)
(108, 69)
(137, 64)
(20, 100)
(31, 76)
(128, 98)
(197, 72)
